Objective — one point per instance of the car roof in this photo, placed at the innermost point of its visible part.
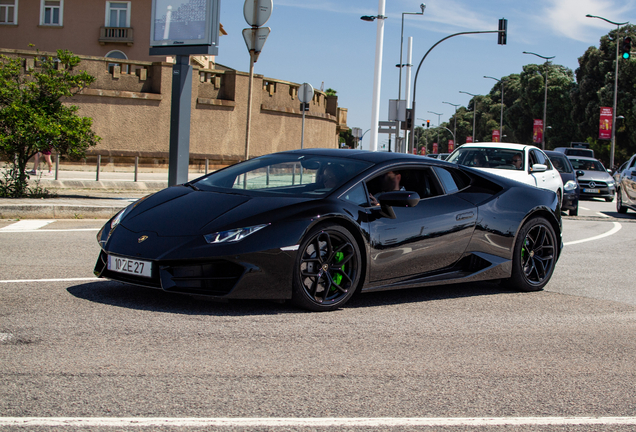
(365, 155)
(501, 145)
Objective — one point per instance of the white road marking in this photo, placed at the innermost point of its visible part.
(602, 214)
(583, 208)
(5, 337)
(27, 225)
(52, 230)
(49, 280)
(308, 422)
(613, 231)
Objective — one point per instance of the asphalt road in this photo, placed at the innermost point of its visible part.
(82, 349)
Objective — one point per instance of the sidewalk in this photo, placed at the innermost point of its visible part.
(80, 196)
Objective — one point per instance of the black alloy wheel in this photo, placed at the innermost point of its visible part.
(535, 255)
(327, 271)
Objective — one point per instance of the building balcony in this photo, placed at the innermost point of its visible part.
(116, 35)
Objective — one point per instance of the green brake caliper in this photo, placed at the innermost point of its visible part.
(337, 278)
(524, 250)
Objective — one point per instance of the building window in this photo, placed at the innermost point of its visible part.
(117, 14)
(51, 12)
(8, 12)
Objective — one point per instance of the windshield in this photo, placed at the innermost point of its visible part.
(285, 174)
(498, 158)
(587, 164)
(561, 163)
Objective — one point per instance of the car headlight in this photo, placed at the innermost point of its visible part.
(232, 235)
(610, 183)
(570, 186)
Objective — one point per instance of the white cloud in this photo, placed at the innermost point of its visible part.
(567, 17)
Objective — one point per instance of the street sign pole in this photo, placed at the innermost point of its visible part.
(256, 13)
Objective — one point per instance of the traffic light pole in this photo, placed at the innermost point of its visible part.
(411, 135)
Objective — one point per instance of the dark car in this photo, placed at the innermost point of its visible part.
(571, 189)
(302, 225)
(626, 187)
(595, 182)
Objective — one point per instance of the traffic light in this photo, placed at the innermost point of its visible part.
(626, 47)
(503, 30)
(428, 124)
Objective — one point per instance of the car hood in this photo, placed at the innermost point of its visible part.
(181, 211)
(596, 176)
(518, 175)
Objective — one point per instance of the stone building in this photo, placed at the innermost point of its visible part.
(131, 97)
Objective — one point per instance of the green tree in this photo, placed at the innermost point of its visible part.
(594, 89)
(33, 117)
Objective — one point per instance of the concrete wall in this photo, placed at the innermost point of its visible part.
(130, 106)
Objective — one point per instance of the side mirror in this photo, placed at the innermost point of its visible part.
(580, 173)
(389, 200)
(537, 168)
(399, 199)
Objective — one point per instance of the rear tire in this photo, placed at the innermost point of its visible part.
(619, 203)
(535, 254)
(609, 199)
(327, 270)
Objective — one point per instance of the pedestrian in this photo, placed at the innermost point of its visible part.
(47, 157)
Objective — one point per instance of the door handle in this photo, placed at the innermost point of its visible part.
(463, 216)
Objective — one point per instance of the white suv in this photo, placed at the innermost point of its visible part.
(534, 167)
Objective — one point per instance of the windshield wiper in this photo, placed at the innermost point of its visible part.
(192, 186)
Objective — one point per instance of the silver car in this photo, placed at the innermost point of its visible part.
(595, 182)
(626, 192)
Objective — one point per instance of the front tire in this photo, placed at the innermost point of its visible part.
(327, 270)
(574, 211)
(535, 255)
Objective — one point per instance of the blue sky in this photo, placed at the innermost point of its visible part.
(318, 41)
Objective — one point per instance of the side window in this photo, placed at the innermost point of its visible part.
(447, 180)
(117, 14)
(51, 12)
(633, 164)
(356, 195)
(420, 180)
(8, 12)
(540, 158)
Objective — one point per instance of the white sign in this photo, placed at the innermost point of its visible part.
(257, 12)
(255, 38)
(305, 93)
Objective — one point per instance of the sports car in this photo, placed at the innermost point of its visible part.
(316, 226)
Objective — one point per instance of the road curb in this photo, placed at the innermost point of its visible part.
(58, 211)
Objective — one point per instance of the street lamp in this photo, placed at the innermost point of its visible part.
(454, 127)
(545, 100)
(377, 74)
(502, 105)
(438, 123)
(474, 110)
(401, 65)
(613, 145)
(422, 6)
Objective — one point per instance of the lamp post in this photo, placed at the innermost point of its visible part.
(613, 145)
(377, 74)
(502, 105)
(455, 116)
(438, 123)
(401, 65)
(545, 100)
(474, 110)
(422, 6)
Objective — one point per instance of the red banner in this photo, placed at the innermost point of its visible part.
(451, 146)
(605, 127)
(469, 139)
(537, 131)
(495, 135)
(434, 148)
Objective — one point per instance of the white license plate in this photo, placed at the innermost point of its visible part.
(591, 191)
(130, 266)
